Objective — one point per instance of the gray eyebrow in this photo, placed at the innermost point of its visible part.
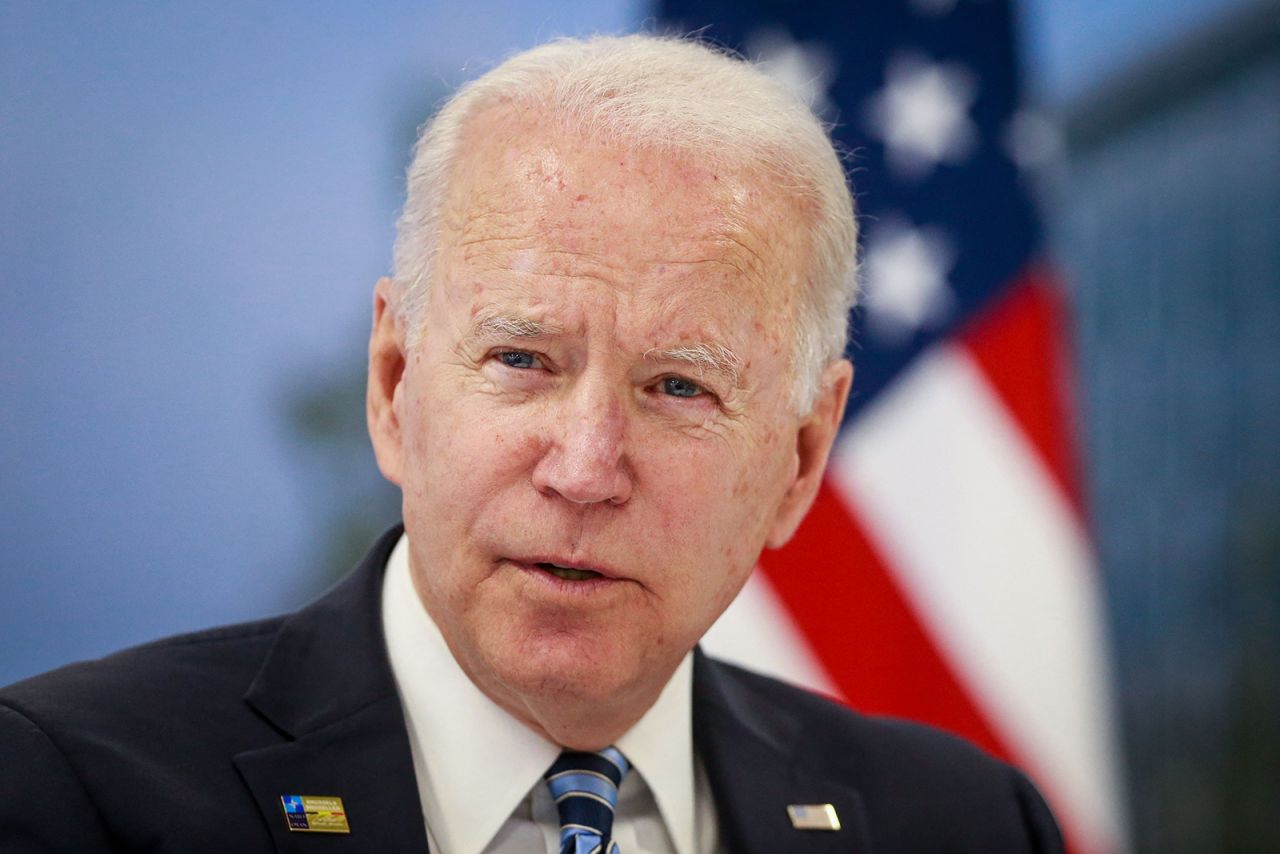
(715, 358)
(497, 324)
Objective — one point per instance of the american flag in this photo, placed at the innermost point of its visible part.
(945, 573)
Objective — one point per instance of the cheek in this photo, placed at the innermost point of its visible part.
(426, 443)
(758, 490)
(766, 462)
(712, 502)
(458, 449)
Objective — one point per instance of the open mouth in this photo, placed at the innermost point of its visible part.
(568, 573)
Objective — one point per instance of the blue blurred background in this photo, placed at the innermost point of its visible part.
(196, 201)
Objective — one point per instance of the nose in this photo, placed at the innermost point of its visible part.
(585, 462)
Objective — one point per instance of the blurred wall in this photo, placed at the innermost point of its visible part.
(1168, 223)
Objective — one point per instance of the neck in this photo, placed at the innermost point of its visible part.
(571, 721)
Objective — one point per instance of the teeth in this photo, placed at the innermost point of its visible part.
(568, 573)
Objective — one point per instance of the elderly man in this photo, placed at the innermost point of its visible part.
(606, 374)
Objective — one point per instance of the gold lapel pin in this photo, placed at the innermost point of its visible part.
(312, 814)
(813, 817)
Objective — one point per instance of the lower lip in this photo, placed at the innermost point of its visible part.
(550, 581)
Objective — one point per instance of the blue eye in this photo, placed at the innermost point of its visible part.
(680, 387)
(518, 359)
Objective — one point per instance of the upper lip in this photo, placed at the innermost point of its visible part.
(591, 566)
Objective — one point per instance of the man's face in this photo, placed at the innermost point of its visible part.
(594, 437)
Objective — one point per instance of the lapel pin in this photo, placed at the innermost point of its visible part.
(311, 814)
(813, 817)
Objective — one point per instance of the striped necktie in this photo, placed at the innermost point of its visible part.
(584, 787)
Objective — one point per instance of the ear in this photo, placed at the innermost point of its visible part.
(814, 439)
(386, 373)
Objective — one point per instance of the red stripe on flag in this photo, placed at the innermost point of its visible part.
(1020, 343)
(859, 624)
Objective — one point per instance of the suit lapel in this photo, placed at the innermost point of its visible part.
(327, 687)
(751, 751)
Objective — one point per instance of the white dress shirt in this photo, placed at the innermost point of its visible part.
(479, 770)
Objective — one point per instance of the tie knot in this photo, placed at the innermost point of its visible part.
(584, 787)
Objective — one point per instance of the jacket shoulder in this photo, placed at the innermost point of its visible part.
(104, 749)
(838, 733)
(166, 686)
(922, 788)
(198, 661)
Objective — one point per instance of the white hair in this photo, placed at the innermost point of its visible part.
(664, 93)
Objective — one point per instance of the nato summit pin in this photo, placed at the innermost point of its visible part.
(813, 817)
(310, 814)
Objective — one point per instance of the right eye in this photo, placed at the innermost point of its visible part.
(520, 359)
(680, 387)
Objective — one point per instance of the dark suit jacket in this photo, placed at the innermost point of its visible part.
(188, 743)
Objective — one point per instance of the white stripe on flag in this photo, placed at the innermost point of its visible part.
(997, 567)
(757, 632)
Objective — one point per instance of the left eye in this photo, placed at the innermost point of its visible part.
(518, 359)
(679, 387)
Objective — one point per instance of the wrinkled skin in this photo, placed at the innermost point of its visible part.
(548, 416)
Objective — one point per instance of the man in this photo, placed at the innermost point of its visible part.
(606, 374)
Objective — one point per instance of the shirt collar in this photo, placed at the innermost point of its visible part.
(660, 747)
(460, 737)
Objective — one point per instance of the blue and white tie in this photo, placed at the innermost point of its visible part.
(584, 787)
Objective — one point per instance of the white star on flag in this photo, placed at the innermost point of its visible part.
(905, 273)
(805, 69)
(922, 114)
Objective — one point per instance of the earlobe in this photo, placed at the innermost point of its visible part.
(386, 373)
(814, 439)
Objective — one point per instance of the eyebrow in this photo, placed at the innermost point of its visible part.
(494, 324)
(715, 358)
(712, 358)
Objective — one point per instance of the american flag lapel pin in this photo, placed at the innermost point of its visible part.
(813, 817)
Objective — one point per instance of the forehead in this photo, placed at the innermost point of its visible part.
(535, 200)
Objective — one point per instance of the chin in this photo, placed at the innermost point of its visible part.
(568, 669)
